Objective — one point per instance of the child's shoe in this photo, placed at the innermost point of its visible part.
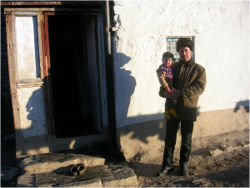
(167, 115)
(173, 112)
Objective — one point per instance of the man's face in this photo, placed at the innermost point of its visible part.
(185, 54)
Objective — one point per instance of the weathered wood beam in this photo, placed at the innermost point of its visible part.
(29, 3)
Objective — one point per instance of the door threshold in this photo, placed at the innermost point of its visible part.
(78, 142)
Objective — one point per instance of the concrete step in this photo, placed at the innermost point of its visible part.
(96, 176)
(49, 162)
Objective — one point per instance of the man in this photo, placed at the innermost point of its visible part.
(189, 83)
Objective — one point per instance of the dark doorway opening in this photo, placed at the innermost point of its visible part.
(74, 75)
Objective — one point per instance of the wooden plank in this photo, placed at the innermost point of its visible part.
(30, 83)
(39, 23)
(27, 85)
(52, 3)
(20, 3)
(44, 76)
(47, 76)
(12, 75)
(9, 10)
(12, 80)
(87, 11)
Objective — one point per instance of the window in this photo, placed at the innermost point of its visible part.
(171, 45)
(27, 47)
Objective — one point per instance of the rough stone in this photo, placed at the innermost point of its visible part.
(91, 177)
(49, 162)
(97, 176)
(26, 180)
(86, 183)
(216, 152)
(123, 176)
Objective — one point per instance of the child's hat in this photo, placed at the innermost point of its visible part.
(167, 55)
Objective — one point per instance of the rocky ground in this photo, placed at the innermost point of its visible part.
(223, 167)
(215, 161)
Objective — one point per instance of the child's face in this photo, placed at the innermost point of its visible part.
(167, 62)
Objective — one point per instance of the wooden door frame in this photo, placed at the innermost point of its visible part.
(15, 82)
(48, 89)
(58, 143)
(12, 76)
(12, 59)
(55, 144)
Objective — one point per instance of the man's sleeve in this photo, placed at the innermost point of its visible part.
(197, 87)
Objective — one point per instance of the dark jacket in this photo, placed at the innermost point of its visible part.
(190, 80)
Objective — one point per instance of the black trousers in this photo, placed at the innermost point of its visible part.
(170, 141)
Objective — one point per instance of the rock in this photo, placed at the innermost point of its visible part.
(97, 176)
(26, 180)
(222, 147)
(216, 152)
(123, 176)
(86, 183)
(49, 162)
(200, 182)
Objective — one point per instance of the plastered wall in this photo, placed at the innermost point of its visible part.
(221, 31)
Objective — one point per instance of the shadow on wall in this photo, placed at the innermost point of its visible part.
(125, 86)
(32, 137)
(142, 126)
(146, 129)
(244, 104)
(148, 126)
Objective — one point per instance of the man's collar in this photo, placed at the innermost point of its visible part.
(186, 63)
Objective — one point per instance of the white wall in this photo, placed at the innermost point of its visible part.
(221, 30)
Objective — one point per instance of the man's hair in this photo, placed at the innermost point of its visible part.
(184, 42)
(167, 55)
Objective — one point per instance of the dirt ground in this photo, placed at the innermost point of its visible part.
(220, 161)
(222, 164)
(228, 169)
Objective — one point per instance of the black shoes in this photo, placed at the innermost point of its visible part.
(165, 171)
(184, 171)
(77, 170)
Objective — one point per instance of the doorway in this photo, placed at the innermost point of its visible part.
(75, 75)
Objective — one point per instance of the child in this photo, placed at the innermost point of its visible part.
(165, 76)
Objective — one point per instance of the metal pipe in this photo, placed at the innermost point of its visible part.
(107, 29)
(110, 79)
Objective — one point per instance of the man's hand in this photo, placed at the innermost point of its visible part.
(173, 95)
